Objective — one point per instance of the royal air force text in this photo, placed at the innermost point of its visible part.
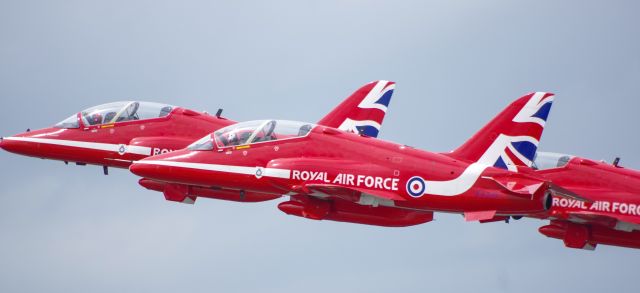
(598, 206)
(383, 183)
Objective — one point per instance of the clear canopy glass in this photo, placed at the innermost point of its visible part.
(203, 144)
(71, 122)
(124, 111)
(253, 132)
(117, 112)
(544, 161)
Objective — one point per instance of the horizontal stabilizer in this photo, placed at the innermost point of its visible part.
(519, 183)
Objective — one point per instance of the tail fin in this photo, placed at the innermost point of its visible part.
(363, 111)
(511, 138)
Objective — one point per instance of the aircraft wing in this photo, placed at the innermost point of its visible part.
(594, 215)
(350, 193)
(604, 194)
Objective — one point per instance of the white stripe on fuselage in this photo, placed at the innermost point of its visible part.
(131, 149)
(471, 174)
(458, 185)
(267, 172)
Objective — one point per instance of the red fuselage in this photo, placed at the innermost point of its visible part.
(115, 144)
(613, 191)
(336, 165)
(611, 214)
(121, 143)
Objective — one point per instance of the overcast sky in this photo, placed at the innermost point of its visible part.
(457, 64)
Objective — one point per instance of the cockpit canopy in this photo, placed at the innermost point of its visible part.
(117, 112)
(544, 161)
(253, 132)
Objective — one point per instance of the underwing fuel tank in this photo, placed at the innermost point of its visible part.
(589, 236)
(344, 211)
(179, 192)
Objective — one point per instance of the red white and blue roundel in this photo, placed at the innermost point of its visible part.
(416, 186)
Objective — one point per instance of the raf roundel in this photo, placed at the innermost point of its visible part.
(122, 149)
(416, 186)
(259, 172)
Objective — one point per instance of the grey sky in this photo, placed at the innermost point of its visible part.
(457, 63)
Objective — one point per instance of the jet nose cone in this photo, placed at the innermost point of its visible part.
(26, 144)
(11, 144)
(147, 169)
(141, 169)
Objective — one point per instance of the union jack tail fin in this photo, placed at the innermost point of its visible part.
(363, 111)
(511, 138)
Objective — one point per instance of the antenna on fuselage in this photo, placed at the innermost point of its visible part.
(616, 161)
(219, 113)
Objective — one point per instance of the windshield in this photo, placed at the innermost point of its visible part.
(203, 144)
(260, 131)
(71, 122)
(124, 111)
(544, 161)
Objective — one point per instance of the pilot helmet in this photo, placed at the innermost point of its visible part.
(96, 118)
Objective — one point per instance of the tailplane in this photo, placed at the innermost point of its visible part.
(511, 139)
(363, 112)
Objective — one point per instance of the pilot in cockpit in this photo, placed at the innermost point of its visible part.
(95, 119)
(116, 112)
(232, 139)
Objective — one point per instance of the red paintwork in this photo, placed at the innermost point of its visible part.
(214, 193)
(174, 131)
(610, 216)
(583, 236)
(345, 211)
(330, 153)
(484, 196)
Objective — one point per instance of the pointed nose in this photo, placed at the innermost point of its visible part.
(149, 170)
(19, 146)
(143, 170)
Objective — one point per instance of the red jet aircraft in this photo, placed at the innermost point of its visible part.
(117, 134)
(363, 112)
(612, 214)
(343, 176)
